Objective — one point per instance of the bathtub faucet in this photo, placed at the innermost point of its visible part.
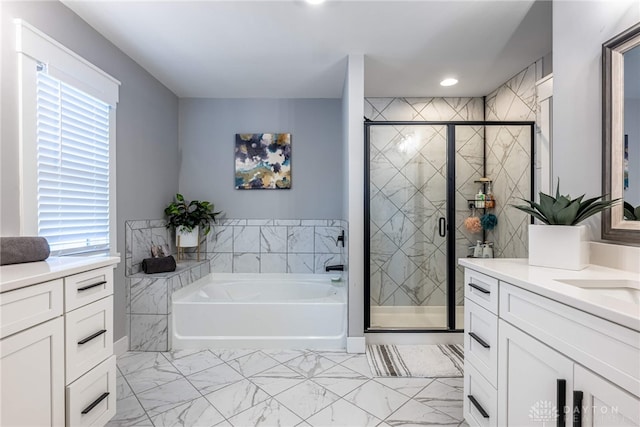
(338, 267)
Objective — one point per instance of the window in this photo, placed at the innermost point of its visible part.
(73, 167)
(67, 147)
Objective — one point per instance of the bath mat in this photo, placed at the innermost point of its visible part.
(428, 361)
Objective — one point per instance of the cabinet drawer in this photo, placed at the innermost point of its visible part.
(602, 346)
(91, 399)
(83, 288)
(481, 340)
(88, 337)
(480, 400)
(481, 289)
(23, 308)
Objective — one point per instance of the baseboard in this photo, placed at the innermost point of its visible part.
(121, 346)
(356, 345)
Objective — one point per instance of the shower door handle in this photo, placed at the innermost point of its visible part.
(442, 226)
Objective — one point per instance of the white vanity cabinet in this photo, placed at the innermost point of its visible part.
(534, 380)
(56, 343)
(32, 356)
(545, 356)
(480, 349)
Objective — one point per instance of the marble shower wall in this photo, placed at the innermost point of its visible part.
(509, 159)
(408, 195)
(469, 167)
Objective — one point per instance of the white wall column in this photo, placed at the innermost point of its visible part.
(353, 116)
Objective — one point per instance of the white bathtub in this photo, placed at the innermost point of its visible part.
(224, 310)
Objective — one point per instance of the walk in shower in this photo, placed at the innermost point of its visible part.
(421, 180)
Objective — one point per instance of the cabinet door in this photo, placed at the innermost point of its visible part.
(604, 404)
(32, 372)
(528, 377)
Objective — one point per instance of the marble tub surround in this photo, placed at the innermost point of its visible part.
(149, 303)
(275, 246)
(232, 246)
(140, 236)
(248, 245)
(275, 387)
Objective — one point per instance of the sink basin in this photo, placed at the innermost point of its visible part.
(626, 290)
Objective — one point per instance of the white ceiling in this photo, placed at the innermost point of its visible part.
(281, 49)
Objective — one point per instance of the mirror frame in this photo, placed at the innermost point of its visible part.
(614, 227)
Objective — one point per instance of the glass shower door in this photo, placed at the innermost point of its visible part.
(408, 207)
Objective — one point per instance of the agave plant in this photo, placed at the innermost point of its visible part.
(631, 213)
(563, 210)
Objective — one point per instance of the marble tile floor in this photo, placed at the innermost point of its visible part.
(242, 388)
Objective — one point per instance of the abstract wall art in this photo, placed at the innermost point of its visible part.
(263, 161)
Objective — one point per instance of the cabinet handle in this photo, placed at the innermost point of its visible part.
(577, 408)
(479, 288)
(480, 340)
(84, 288)
(90, 337)
(95, 403)
(478, 406)
(561, 400)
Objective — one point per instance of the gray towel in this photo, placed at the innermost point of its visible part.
(16, 250)
(159, 265)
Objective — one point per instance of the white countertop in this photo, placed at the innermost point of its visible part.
(543, 281)
(17, 276)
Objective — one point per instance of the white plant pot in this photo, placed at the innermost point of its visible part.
(558, 246)
(186, 239)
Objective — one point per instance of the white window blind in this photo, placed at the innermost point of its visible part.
(73, 168)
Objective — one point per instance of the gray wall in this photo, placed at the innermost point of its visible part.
(207, 140)
(577, 100)
(147, 126)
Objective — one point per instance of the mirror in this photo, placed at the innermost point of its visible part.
(621, 135)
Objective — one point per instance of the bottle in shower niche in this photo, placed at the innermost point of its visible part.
(489, 200)
(477, 251)
(480, 199)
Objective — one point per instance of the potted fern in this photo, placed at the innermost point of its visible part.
(560, 242)
(188, 217)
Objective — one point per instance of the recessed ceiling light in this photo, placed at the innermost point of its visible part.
(315, 1)
(448, 82)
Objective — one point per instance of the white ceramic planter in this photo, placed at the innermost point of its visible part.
(187, 239)
(558, 246)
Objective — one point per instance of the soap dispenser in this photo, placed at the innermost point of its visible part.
(477, 251)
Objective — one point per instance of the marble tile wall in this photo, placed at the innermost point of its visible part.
(509, 159)
(149, 304)
(469, 167)
(275, 246)
(233, 245)
(140, 236)
(248, 245)
(408, 196)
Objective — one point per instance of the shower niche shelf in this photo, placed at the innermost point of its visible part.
(482, 204)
